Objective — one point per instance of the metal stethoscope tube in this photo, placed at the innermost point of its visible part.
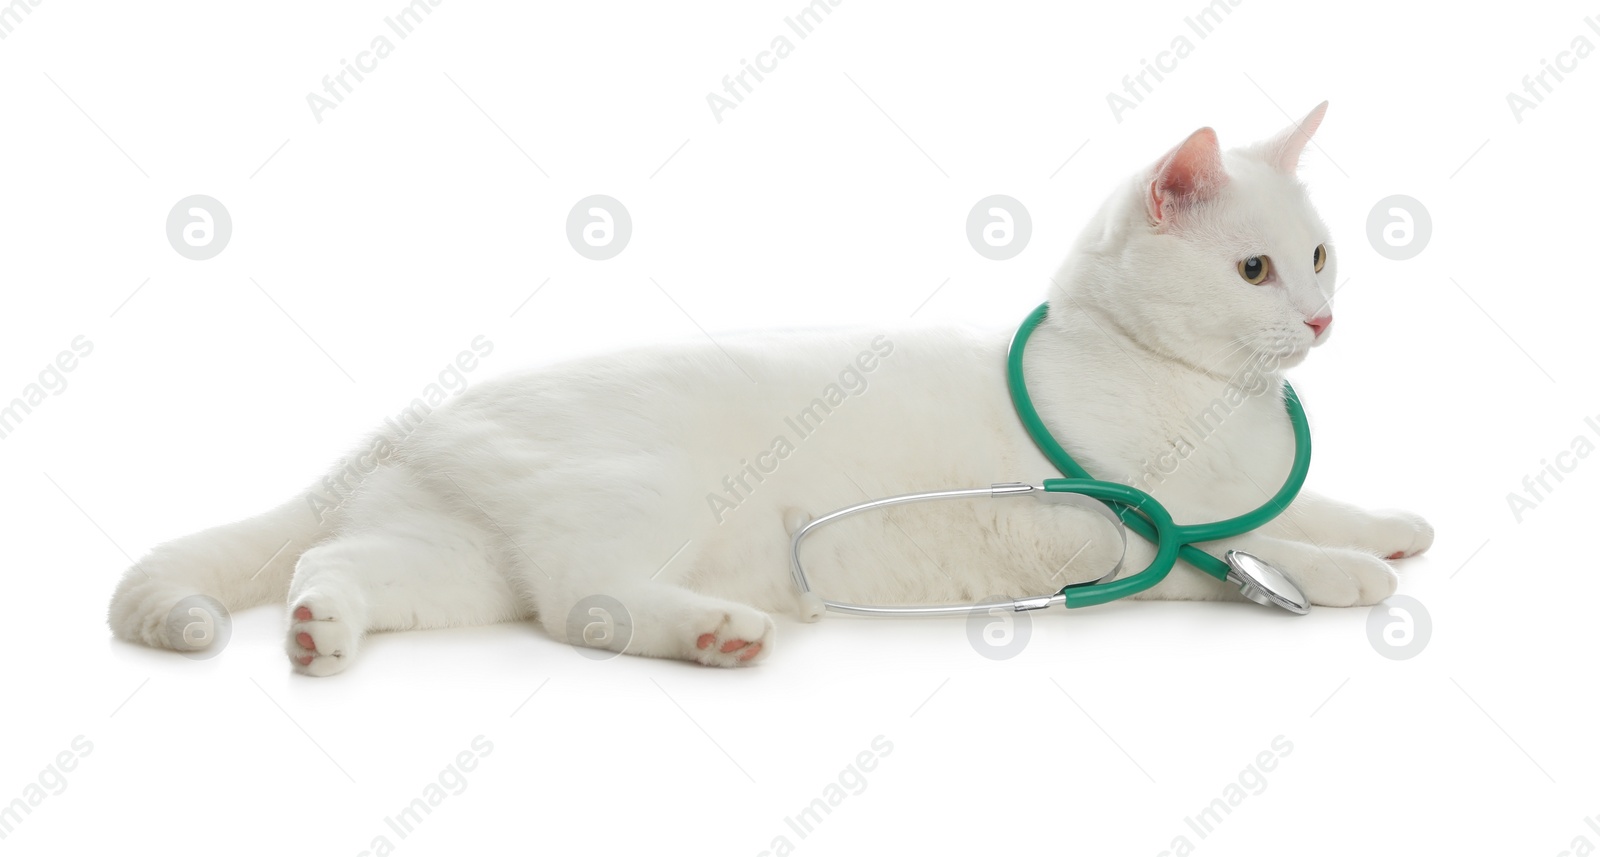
(813, 605)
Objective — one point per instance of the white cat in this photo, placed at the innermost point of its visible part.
(668, 479)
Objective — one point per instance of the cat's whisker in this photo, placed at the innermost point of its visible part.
(1232, 345)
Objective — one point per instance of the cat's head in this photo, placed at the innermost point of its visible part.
(1214, 258)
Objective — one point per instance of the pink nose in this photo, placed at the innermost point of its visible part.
(1319, 324)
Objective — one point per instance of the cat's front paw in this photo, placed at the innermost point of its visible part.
(732, 638)
(1398, 534)
(1332, 577)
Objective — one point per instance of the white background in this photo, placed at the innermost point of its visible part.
(370, 247)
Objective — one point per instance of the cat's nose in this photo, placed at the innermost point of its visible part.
(1319, 324)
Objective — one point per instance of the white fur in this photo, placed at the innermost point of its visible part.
(531, 492)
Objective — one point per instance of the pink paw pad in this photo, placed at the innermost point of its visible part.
(305, 641)
(303, 613)
(746, 650)
(1398, 555)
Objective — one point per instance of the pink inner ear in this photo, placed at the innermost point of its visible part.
(1190, 173)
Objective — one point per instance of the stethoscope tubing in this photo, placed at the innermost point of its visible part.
(1136, 515)
(1135, 509)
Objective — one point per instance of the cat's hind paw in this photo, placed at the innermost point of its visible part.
(319, 643)
(732, 638)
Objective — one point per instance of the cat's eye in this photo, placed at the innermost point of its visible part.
(1255, 269)
(1319, 257)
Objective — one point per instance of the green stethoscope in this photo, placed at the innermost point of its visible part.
(1132, 508)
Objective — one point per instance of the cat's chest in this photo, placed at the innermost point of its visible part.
(1204, 453)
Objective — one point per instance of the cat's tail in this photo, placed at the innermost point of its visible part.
(243, 564)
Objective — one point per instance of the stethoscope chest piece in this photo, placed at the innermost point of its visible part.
(1260, 582)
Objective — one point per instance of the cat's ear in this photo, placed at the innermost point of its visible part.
(1283, 151)
(1188, 174)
